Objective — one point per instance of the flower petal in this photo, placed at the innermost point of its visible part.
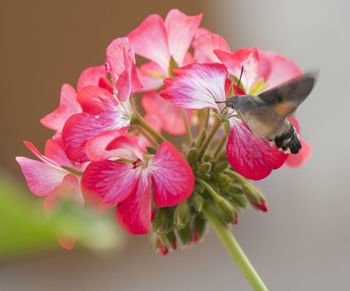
(280, 69)
(70, 188)
(106, 183)
(249, 155)
(91, 76)
(301, 157)
(172, 178)
(113, 144)
(150, 40)
(249, 58)
(134, 213)
(149, 81)
(41, 178)
(96, 100)
(68, 106)
(54, 151)
(120, 62)
(172, 121)
(81, 127)
(205, 45)
(180, 30)
(196, 86)
(36, 152)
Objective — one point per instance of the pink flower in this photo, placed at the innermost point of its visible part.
(48, 178)
(160, 41)
(172, 121)
(200, 86)
(101, 112)
(304, 154)
(120, 63)
(126, 183)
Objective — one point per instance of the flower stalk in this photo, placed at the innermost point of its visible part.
(222, 230)
(138, 120)
(209, 137)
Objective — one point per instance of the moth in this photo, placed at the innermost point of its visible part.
(266, 114)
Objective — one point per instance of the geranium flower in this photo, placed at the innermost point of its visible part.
(200, 86)
(124, 180)
(48, 178)
(160, 41)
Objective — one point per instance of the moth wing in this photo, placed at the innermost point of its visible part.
(258, 117)
(286, 98)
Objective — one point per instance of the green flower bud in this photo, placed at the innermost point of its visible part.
(185, 234)
(218, 167)
(199, 226)
(192, 156)
(205, 168)
(232, 189)
(182, 214)
(239, 201)
(198, 202)
(226, 210)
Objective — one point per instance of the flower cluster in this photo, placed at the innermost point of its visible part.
(109, 152)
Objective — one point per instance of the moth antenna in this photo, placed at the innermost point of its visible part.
(239, 81)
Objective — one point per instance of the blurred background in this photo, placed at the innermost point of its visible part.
(302, 243)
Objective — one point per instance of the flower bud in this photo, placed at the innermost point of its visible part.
(192, 156)
(219, 167)
(225, 209)
(205, 168)
(232, 189)
(208, 158)
(182, 214)
(239, 201)
(198, 202)
(170, 239)
(199, 226)
(185, 234)
(162, 249)
(255, 197)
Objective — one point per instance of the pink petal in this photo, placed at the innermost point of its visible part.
(149, 81)
(150, 40)
(180, 29)
(81, 127)
(249, 58)
(70, 187)
(54, 151)
(205, 45)
(41, 178)
(96, 100)
(106, 183)
(36, 152)
(301, 157)
(113, 144)
(172, 121)
(66, 242)
(68, 106)
(134, 213)
(91, 76)
(201, 31)
(120, 63)
(249, 155)
(196, 86)
(280, 69)
(172, 178)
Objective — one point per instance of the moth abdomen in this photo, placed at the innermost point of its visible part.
(288, 141)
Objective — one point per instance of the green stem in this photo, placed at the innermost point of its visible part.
(232, 246)
(135, 118)
(147, 136)
(187, 126)
(209, 137)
